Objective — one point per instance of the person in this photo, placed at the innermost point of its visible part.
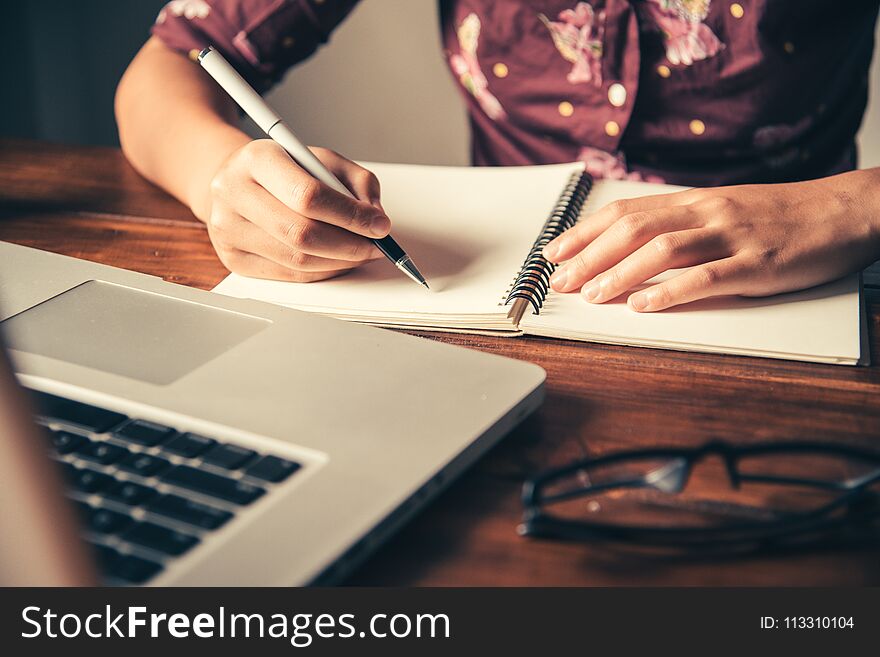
(753, 104)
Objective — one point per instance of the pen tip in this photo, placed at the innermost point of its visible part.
(425, 283)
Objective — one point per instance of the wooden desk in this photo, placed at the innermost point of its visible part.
(88, 203)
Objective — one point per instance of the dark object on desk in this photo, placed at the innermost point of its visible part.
(806, 492)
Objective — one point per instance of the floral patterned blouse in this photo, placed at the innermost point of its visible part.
(696, 92)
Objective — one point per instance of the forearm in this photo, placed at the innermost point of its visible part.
(176, 127)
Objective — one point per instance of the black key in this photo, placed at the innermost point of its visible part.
(143, 433)
(145, 465)
(207, 483)
(103, 555)
(92, 418)
(193, 513)
(229, 457)
(126, 567)
(103, 521)
(130, 568)
(68, 470)
(128, 492)
(65, 442)
(272, 468)
(188, 444)
(87, 481)
(160, 539)
(100, 452)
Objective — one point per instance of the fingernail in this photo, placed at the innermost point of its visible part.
(558, 279)
(639, 302)
(551, 251)
(591, 291)
(380, 225)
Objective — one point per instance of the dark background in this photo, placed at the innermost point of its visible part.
(60, 61)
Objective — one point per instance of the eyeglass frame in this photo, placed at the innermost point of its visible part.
(537, 522)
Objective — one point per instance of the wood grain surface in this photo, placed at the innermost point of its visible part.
(88, 203)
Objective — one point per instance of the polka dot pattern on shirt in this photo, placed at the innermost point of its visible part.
(697, 127)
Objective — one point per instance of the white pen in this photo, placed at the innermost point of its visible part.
(269, 122)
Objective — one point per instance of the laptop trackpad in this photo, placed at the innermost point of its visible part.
(141, 335)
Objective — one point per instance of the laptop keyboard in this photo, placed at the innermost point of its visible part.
(147, 493)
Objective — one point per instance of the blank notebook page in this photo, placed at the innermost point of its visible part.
(467, 229)
(821, 324)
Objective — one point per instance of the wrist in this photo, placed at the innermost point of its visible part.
(865, 197)
(221, 142)
(872, 201)
(854, 198)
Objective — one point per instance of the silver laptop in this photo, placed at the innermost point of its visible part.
(207, 440)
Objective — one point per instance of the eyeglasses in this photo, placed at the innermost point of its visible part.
(783, 493)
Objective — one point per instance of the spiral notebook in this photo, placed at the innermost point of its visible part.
(477, 235)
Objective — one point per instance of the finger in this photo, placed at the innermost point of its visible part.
(589, 228)
(291, 228)
(276, 172)
(256, 266)
(621, 239)
(668, 251)
(255, 240)
(708, 280)
(362, 182)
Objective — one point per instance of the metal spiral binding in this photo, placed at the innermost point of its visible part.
(532, 282)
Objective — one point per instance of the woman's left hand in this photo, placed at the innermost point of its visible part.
(750, 240)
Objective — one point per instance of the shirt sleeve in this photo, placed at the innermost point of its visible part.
(262, 39)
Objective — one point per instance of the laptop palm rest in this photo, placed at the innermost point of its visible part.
(141, 335)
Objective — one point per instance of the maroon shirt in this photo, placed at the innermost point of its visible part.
(696, 92)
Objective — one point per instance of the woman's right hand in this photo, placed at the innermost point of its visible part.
(270, 219)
